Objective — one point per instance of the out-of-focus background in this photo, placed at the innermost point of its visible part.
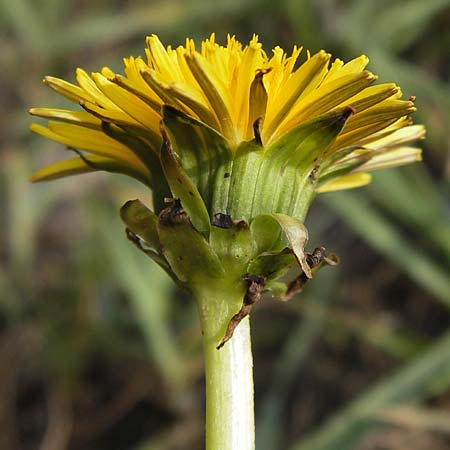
(99, 351)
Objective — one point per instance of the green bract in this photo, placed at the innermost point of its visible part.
(231, 217)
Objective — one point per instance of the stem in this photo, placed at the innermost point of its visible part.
(230, 421)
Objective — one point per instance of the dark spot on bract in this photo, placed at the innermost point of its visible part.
(174, 214)
(222, 220)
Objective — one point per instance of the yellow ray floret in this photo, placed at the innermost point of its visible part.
(229, 88)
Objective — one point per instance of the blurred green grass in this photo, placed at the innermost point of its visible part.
(85, 317)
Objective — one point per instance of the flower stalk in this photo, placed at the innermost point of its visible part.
(229, 377)
(230, 422)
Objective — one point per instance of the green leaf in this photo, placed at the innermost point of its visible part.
(183, 188)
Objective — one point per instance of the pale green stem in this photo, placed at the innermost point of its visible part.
(230, 423)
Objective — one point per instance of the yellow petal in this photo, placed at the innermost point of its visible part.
(82, 164)
(126, 122)
(306, 78)
(399, 137)
(109, 115)
(128, 102)
(68, 90)
(82, 118)
(88, 85)
(160, 60)
(144, 95)
(161, 87)
(107, 72)
(356, 65)
(392, 158)
(350, 181)
(327, 97)
(373, 95)
(194, 102)
(364, 136)
(228, 87)
(384, 111)
(60, 169)
(333, 72)
(252, 60)
(133, 69)
(215, 91)
(93, 141)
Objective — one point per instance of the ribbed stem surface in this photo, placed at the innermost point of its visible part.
(230, 421)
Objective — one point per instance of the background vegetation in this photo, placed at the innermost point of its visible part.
(99, 351)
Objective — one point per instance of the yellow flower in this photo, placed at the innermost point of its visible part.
(245, 95)
(239, 142)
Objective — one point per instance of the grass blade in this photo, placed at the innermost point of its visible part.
(409, 384)
(387, 239)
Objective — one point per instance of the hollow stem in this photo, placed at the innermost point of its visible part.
(229, 377)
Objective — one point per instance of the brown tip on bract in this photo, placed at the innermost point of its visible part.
(348, 111)
(168, 110)
(261, 72)
(222, 220)
(255, 288)
(174, 214)
(340, 116)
